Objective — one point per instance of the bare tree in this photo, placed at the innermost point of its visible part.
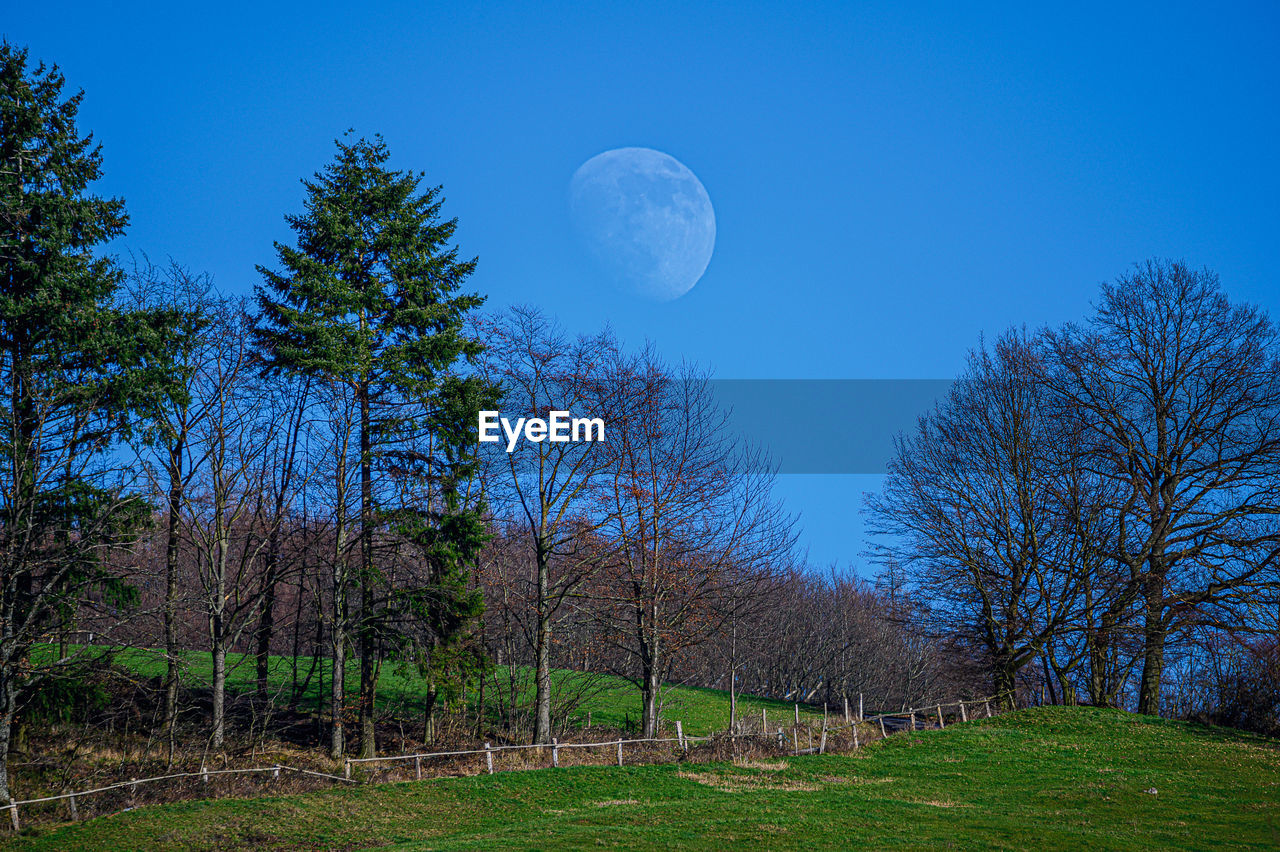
(1179, 390)
(229, 443)
(552, 488)
(164, 448)
(971, 509)
(687, 506)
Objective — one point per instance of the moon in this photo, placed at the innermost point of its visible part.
(646, 219)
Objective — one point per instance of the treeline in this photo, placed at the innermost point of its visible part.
(657, 554)
(298, 475)
(1096, 508)
(660, 553)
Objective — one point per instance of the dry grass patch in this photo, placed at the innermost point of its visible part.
(938, 803)
(765, 765)
(738, 783)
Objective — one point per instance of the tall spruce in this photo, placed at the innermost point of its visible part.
(76, 368)
(369, 303)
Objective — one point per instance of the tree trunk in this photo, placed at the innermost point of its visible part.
(542, 698)
(1154, 634)
(1005, 677)
(652, 681)
(733, 675)
(1049, 680)
(266, 620)
(429, 715)
(218, 627)
(337, 745)
(1098, 641)
(338, 645)
(219, 653)
(171, 596)
(649, 722)
(368, 676)
(8, 707)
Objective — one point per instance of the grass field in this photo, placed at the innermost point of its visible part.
(1050, 778)
(611, 701)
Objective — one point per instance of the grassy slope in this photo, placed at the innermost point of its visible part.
(612, 701)
(1055, 778)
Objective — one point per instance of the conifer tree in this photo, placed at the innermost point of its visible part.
(369, 303)
(76, 369)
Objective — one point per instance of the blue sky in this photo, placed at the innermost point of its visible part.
(889, 181)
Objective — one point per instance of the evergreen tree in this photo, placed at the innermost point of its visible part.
(368, 302)
(76, 369)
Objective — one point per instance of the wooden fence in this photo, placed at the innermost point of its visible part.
(927, 716)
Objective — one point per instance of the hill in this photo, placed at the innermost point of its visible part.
(611, 701)
(1057, 778)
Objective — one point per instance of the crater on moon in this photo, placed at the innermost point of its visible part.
(645, 218)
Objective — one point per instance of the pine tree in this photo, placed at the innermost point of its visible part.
(368, 302)
(76, 370)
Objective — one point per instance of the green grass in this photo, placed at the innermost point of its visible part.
(1051, 778)
(611, 701)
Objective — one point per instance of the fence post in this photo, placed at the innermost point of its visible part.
(795, 740)
(822, 744)
(204, 774)
(859, 706)
(346, 768)
(417, 767)
(964, 717)
(781, 746)
(684, 746)
(75, 814)
(488, 757)
(941, 724)
(275, 773)
(913, 720)
(13, 815)
(846, 710)
(987, 702)
(619, 752)
(797, 712)
(855, 737)
(555, 752)
(764, 719)
(883, 735)
(133, 792)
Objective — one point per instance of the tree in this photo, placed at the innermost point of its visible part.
(165, 450)
(1178, 390)
(76, 369)
(972, 509)
(368, 301)
(690, 512)
(552, 488)
(229, 442)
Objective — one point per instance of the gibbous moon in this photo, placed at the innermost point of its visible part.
(645, 218)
